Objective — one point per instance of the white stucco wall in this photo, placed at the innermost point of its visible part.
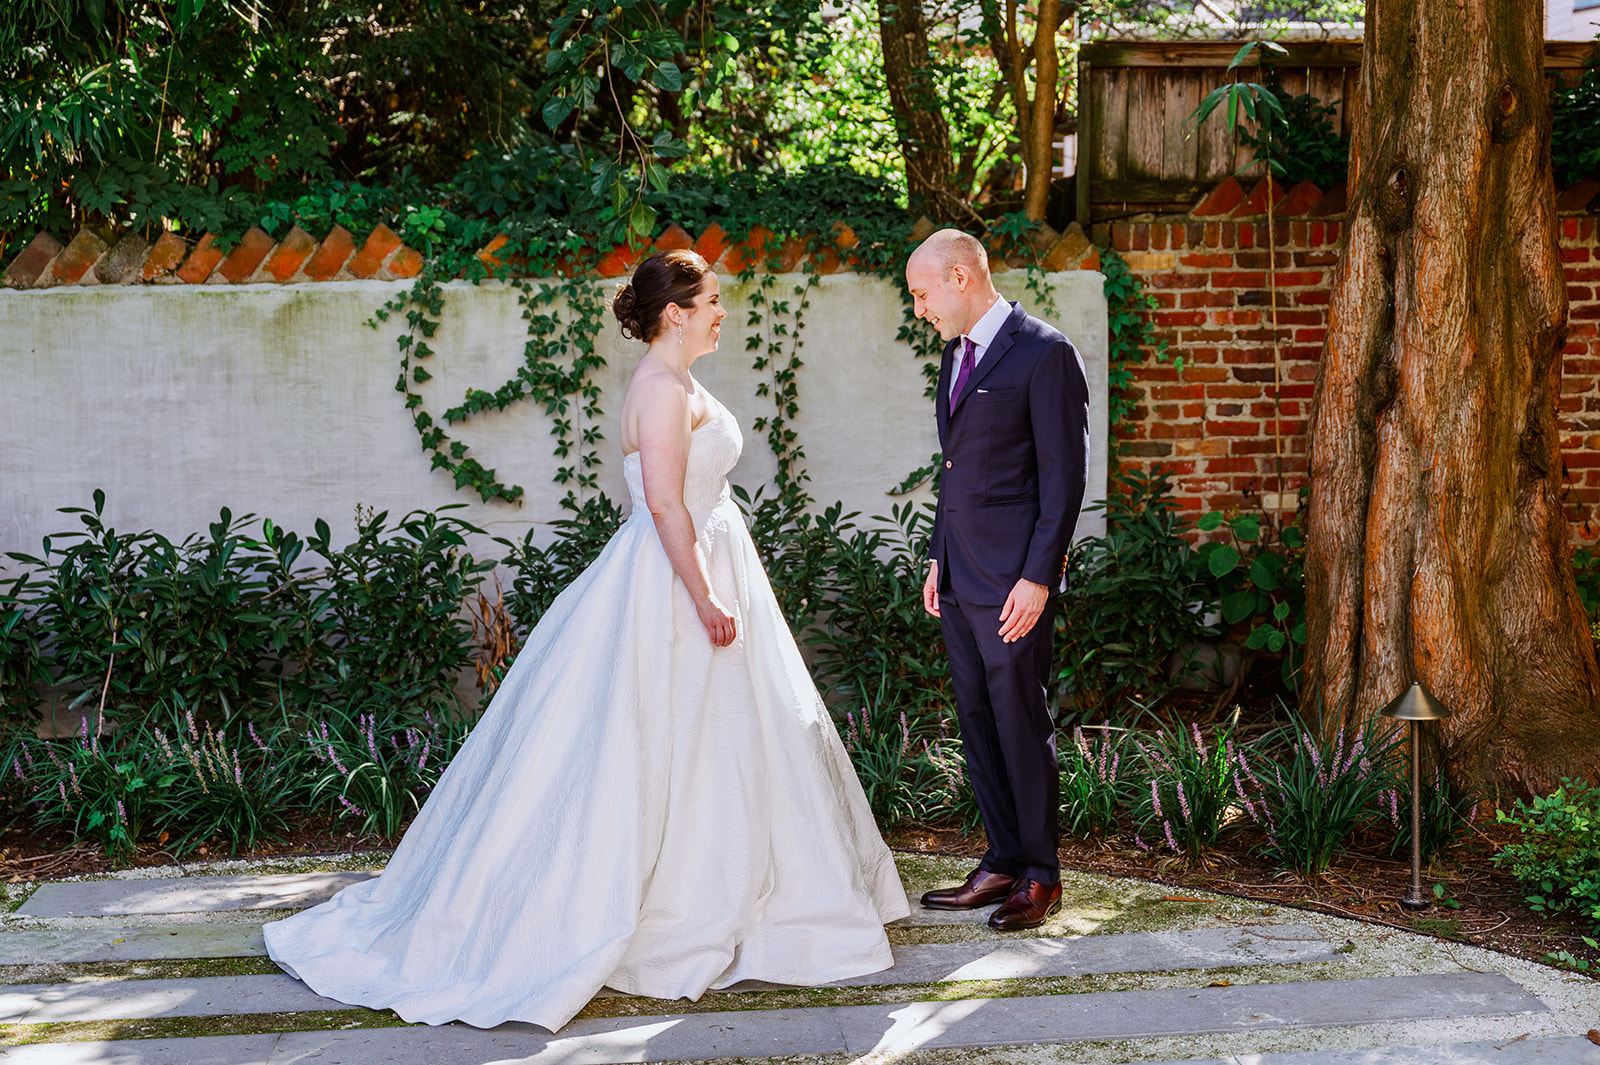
(280, 401)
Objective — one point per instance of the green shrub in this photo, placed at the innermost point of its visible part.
(539, 574)
(1135, 599)
(1575, 128)
(391, 621)
(873, 637)
(1259, 579)
(1557, 861)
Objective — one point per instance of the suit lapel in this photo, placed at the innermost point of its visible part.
(991, 358)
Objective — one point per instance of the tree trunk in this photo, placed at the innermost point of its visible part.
(1041, 143)
(919, 116)
(1437, 547)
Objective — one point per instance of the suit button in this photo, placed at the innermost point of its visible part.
(948, 464)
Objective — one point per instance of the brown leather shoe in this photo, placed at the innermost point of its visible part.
(981, 888)
(1030, 905)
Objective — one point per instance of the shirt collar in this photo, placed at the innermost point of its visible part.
(983, 331)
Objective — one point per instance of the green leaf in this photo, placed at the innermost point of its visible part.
(1247, 527)
(1262, 577)
(556, 110)
(1223, 560)
(1236, 606)
(1209, 521)
(668, 78)
(642, 219)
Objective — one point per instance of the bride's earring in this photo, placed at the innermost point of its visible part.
(680, 332)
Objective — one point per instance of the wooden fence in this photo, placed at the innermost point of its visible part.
(1137, 149)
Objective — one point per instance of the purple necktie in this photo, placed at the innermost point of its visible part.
(967, 361)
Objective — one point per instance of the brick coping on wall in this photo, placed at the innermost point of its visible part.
(94, 257)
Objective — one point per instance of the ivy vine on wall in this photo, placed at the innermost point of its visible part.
(566, 311)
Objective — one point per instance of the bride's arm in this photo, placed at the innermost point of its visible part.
(664, 429)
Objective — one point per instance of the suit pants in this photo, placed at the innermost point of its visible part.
(1007, 734)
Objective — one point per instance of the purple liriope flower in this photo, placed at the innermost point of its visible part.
(50, 750)
(1472, 815)
(61, 786)
(334, 758)
(1394, 807)
(194, 733)
(905, 735)
(368, 724)
(166, 747)
(16, 767)
(853, 735)
(352, 807)
(422, 759)
(1141, 844)
(1199, 744)
(238, 772)
(251, 725)
(1183, 804)
(72, 772)
(1366, 769)
(122, 814)
(1115, 761)
(1155, 798)
(1167, 828)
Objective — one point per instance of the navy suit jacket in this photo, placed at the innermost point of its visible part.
(1016, 463)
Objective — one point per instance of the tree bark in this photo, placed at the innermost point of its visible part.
(919, 123)
(1436, 543)
(1042, 131)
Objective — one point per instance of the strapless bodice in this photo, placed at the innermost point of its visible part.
(714, 448)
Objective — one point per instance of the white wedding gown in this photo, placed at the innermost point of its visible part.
(636, 809)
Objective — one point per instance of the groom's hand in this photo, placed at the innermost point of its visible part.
(1023, 607)
(930, 590)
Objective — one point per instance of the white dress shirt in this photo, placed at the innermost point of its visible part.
(982, 335)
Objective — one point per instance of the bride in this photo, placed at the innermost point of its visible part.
(656, 799)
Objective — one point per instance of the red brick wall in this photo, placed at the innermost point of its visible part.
(1211, 422)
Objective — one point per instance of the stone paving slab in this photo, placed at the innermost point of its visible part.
(131, 944)
(1126, 952)
(205, 1050)
(96, 898)
(915, 964)
(1143, 1014)
(900, 1028)
(1572, 1050)
(127, 1000)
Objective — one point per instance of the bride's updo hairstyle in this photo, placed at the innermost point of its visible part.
(666, 277)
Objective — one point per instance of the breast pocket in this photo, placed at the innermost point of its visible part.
(995, 395)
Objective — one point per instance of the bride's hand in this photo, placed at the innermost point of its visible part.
(719, 623)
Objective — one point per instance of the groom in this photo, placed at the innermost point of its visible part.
(1013, 408)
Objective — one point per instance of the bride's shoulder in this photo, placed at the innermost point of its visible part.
(656, 390)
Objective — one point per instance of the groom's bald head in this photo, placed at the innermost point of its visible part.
(950, 248)
(948, 276)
